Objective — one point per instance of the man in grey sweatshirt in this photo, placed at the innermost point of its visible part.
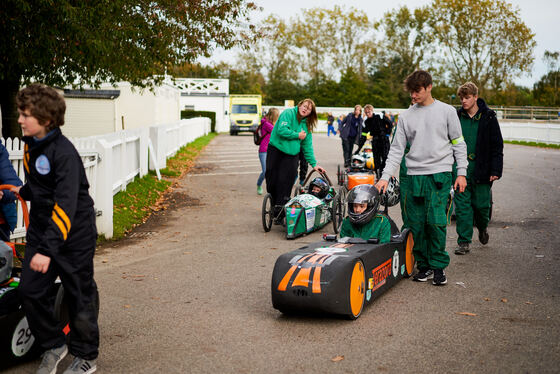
(434, 133)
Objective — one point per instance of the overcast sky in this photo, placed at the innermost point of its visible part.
(541, 16)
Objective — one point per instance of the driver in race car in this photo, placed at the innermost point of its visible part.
(363, 221)
(320, 189)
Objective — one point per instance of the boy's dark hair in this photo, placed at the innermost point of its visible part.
(417, 80)
(44, 103)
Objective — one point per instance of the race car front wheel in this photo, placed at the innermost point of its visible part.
(409, 256)
(337, 214)
(357, 290)
(267, 212)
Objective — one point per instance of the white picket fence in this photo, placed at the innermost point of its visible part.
(112, 161)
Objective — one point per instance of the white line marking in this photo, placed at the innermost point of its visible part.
(233, 173)
(227, 160)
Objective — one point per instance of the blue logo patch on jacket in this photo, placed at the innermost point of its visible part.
(42, 165)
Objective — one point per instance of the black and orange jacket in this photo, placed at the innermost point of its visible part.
(62, 213)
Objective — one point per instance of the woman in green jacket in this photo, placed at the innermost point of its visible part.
(291, 134)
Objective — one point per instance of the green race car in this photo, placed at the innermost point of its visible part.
(310, 209)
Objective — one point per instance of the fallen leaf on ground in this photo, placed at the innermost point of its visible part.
(528, 303)
(337, 358)
(126, 306)
(104, 261)
(467, 314)
(486, 299)
(504, 300)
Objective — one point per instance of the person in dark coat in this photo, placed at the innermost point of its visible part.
(380, 129)
(350, 130)
(485, 164)
(61, 236)
(8, 211)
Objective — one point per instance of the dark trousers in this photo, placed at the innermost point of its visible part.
(281, 172)
(75, 268)
(303, 167)
(4, 232)
(380, 148)
(347, 147)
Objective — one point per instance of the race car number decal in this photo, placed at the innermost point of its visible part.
(381, 273)
(395, 264)
(310, 219)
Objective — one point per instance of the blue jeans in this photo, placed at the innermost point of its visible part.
(331, 129)
(262, 158)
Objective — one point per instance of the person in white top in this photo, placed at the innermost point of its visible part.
(434, 133)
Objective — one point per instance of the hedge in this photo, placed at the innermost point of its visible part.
(186, 114)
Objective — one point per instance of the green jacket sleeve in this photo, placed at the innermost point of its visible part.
(286, 126)
(307, 146)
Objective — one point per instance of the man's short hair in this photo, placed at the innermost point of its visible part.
(417, 80)
(44, 103)
(368, 106)
(467, 89)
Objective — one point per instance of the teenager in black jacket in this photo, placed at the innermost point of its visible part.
(486, 157)
(61, 236)
(380, 129)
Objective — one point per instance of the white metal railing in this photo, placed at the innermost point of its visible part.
(113, 160)
(205, 86)
(539, 132)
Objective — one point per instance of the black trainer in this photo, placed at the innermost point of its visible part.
(439, 277)
(462, 249)
(483, 236)
(423, 275)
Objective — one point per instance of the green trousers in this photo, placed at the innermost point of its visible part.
(404, 182)
(426, 215)
(472, 207)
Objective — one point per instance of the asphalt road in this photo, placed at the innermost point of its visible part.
(189, 292)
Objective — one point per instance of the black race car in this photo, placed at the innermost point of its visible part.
(340, 276)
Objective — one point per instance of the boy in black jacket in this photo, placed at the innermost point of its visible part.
(485, 163)
(380, 129)
(61, 236)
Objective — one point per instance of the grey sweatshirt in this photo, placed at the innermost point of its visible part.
(435, 138)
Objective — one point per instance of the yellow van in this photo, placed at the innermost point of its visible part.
(244, 113)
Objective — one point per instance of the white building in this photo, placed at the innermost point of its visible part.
(110, 109)
(205, 95)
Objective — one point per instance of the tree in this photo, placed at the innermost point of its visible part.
(546, 89)
(402, 49)
(351, 39)
(71, 42)
(311, 33)
(484, 41)
(273, 56)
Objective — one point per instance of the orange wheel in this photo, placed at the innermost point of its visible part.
(357, 290)
(409, 256)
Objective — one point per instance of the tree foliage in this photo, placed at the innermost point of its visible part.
(339, 57)
(89, 42)
(483, 41)
(402, 50)
(546, 90)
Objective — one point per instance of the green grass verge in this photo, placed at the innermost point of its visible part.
(533, 144)
(133, 206)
